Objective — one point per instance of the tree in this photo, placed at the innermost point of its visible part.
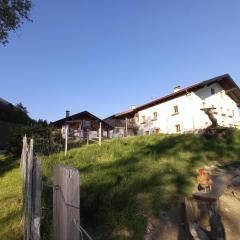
(12, 15)
(22, 108)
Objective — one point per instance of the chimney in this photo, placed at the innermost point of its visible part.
(133, 107)
(176, 89)
(67, 113)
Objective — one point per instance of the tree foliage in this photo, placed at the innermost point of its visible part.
(22, 108)
(14, 114)
(12, 15)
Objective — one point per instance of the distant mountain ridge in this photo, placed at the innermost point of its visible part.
(13, 114)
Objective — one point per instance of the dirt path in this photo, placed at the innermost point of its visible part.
(204, 219)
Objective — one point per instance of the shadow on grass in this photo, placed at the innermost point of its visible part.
(144, 179)
(130, 188)
(47, 210)
(10, 224)
(7, 163)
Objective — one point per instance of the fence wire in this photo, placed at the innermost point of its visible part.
(81, 229)
(78, 226)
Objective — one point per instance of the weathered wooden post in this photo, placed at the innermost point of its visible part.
(66, 203)
(126, 126)
(29, 190)
(24, 160)
(66, 140)
(36, 199)
(100, 134)
(87, 136)
(23, 165)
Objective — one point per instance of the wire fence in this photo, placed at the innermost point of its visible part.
(81, 230)
(65, 190)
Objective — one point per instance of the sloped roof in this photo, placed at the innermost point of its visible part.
(225, 81)
(77, 116)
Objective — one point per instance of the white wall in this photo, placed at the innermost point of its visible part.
(190, 116)
(222, 102)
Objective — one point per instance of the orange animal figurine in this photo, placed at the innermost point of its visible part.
(204, 180)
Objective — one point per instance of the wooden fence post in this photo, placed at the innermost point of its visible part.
(100, 134)
(23, 166)
(66, 140)
(32, 184)
(36, 200)
(24, 160)
(66, 203)
(29, 190)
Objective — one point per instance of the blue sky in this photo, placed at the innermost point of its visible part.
(106, 55)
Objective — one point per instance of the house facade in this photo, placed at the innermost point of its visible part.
(184, 109)
(82, 126)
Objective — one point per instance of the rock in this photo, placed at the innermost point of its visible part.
(123, 232)
(235, 181)
(236, 195)
(198, 233)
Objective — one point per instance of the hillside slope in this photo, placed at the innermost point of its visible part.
(10, 199)
(127, 181)
(12, 118)
(10, 113)
(6, 131)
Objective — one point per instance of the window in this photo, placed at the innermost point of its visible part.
(231, 114)
(222, 112)
(154, 116)
(86, 123)
(212, 91)
(204, 104)
(175, 110)
(157, 130)
(136, 118)
(147, 133)
(143, 119)
(178, 128)
(223, 123)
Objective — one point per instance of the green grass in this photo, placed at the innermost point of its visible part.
(127, 180)
(123, 182)
(10, 199)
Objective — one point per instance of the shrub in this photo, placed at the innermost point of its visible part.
(46, 139)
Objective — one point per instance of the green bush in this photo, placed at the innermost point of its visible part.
(46, 139)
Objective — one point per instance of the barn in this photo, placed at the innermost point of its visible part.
(83, 125)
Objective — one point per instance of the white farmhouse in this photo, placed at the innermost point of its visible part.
(183, 110)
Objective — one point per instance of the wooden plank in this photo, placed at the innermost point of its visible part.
(66, 203)
(23, 166)
(29, 190)
(24, 159)
(126, 127)
(204, 197)
(36, 199)
(66, 140)
(100, 134)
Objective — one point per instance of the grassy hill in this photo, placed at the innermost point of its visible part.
(123, 183)
(127, 180)
(10, 199)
